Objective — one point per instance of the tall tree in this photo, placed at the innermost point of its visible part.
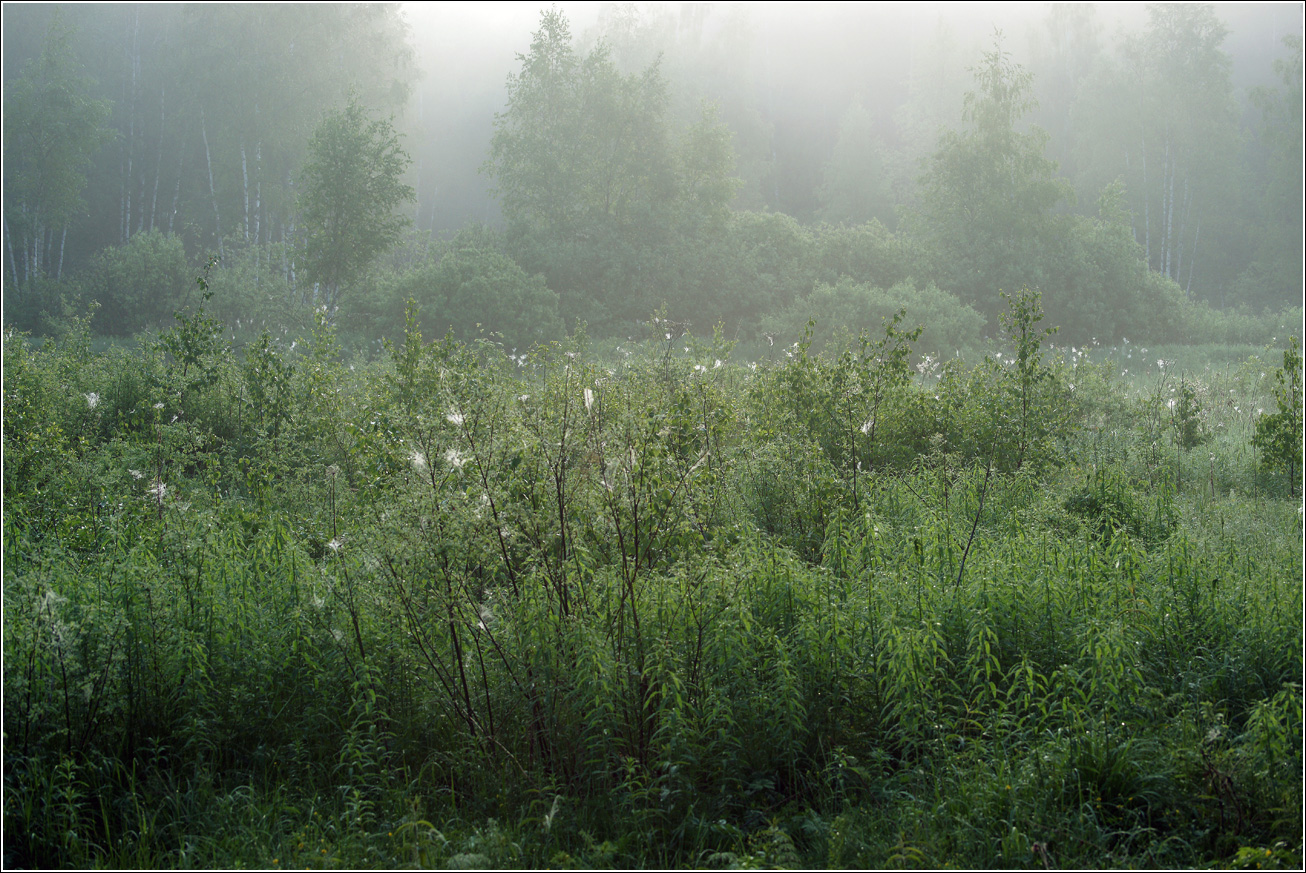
(988, 191)
(352, 186)
(52, 128)
(1274, 277)
(597, 188)
(1066, 50)
(855, 188)
(579, 142)
(1164, 120)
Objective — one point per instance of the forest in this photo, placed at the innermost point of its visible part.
(652, 435)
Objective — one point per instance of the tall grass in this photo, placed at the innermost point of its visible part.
(459, 607)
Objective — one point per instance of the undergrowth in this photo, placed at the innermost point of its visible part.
(459, 607)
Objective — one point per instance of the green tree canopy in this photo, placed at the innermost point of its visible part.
(1164, 120)
(988, 191)
(351, 185)
(1275, 273)
(52, 128)
(601, 194)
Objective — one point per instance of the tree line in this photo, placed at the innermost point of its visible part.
(1120, 181)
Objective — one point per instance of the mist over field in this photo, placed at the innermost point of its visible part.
(676, 145)
(687, 435)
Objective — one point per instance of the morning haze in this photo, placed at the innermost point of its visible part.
(660, 436)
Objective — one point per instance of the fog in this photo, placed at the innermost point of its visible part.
(794, 67)
(709, 156)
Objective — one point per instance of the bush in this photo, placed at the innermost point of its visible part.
(844, 309)
(1279, 434)
(866, 253)
(473, 288)
(140, 284)
(252, 291)
(1199, 323)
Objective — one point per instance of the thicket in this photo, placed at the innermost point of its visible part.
(461, 605)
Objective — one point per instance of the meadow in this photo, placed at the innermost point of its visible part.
(461, 605)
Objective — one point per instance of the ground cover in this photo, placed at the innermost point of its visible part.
(459, 606)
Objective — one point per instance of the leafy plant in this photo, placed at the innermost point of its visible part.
(1279, 434)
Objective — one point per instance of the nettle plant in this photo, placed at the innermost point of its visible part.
(844, 403)
(1279, 434)
(1030, 416)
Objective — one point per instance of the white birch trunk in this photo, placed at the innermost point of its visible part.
(13, 263)
(258, 191)
(213, 193)
(244, 175)
(1147, 208)
(1169, 217)
(158, 161)
(176, 191)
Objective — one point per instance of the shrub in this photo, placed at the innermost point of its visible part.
(842, 310)
(474, 287)
(1279, 434)
(138, 285)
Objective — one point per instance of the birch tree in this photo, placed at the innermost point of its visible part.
(351, 189)
(52, 127)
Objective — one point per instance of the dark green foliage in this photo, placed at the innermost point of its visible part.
(139, 285)
(473, 288)
(351, 188)
(453, 606)
(1279, 433)
(1109, 506)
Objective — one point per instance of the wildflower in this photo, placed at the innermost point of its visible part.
(136, 474)
(1160, 363)
(455, 417)
(717, 364)
(92, 400)
(868, 424)
(159, 405)
(455, 459)
(418, 460)
(336, 543)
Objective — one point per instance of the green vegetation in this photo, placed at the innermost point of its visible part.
(455, 606)
(349, 555)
